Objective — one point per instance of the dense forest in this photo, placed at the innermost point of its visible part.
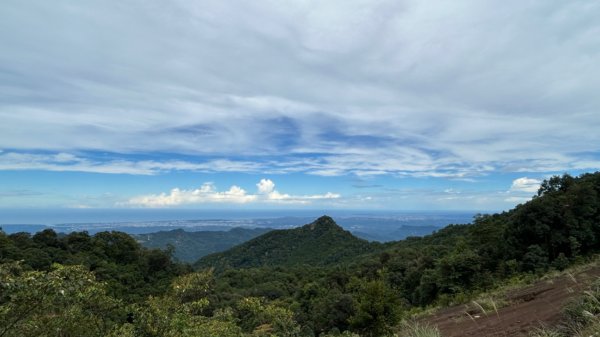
(310, 281)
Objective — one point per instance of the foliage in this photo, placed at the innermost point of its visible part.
(65, 301)
(321, 243)
(263, 319)
(181, 313)
(130, 271)
(340, 334)
(377, 308)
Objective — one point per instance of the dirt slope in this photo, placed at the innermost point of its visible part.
(529, 308)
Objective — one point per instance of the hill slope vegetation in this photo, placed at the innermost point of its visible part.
(320, 243)
(309, 281)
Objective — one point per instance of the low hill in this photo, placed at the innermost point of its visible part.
(320, 243)
(190, 246)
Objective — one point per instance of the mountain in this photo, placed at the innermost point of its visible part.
(320, 243)
(401, 233)
(190, 246)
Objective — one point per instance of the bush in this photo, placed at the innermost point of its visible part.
(561, 262)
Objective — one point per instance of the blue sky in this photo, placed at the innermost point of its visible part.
(404, 105)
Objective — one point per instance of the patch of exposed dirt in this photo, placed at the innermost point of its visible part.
(530, 307)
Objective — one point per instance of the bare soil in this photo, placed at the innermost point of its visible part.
(530, 307)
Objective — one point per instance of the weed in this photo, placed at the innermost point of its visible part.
(480, 307)
(418, 330)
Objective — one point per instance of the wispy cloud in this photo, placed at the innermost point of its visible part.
(413, 88)
(19, 193)
(360, 163)
(64, 162)
(208, 193)
(371, 91)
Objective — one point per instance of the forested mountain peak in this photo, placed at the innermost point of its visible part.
(324, 223)
(321, 242)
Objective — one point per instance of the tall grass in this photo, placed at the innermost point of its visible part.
(418, 330)
(585, 309)
(582, 314)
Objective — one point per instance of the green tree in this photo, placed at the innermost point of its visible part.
(66, 301)
(458, 271)
(377, 308)
(266, 320)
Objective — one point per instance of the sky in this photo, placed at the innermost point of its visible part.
(340, 104)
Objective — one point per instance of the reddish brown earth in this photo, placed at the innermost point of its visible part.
(531, 307)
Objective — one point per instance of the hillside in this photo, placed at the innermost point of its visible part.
(558, 227)
(320, 243)
(190, 246)
(319, 278)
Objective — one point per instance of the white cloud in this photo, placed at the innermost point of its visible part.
(265, 186)
(266, 189)
(205, 194)
(525, 184)
(521, 190)
(208, 193)
(277, 197)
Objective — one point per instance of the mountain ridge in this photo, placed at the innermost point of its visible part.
(189, 246)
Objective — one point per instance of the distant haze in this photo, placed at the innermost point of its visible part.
(372, 225)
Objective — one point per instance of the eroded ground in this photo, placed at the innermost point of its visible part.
(531, 307)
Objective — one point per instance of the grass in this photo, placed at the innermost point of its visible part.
(545, 332)
(418, 330)
(412, 329)
(592, 330)
(581, 316)
(585, 309)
